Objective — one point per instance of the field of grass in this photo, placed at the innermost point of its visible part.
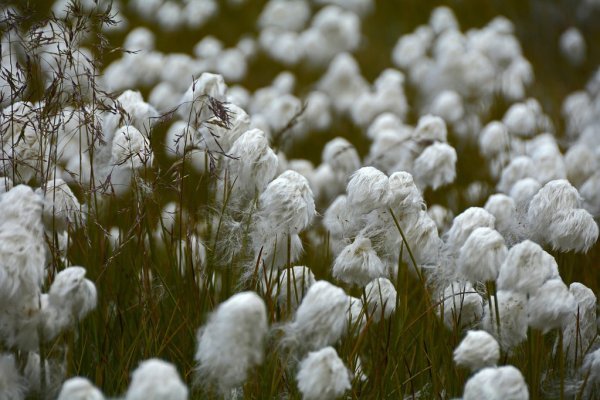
(176, 239)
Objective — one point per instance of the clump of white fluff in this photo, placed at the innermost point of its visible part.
(460, 305)
(519, 168)
(554, 217)
(477, 350)
(512, 308)
(220, 138)
(464, 224)
(341, 155)
(195, 102)
(321, 318)
(131, 148)
(504, 209)
(591, 370)
(435, 166)
(431, 128)
(481, 255)
(526, 268)
(358, 263)
(572, 46)
(79, 388)
(494, 140)
(497, 383)
(252, 166)
(70, 299)
(155, 379)
(61, 207)
(522, 192)
(323, 375)
(381, 298)
(580, 328)
(550, 306)
(232, 341)
(12, 385)
(368, 189)
(286, 204)
(300, 278)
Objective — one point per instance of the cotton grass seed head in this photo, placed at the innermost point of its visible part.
(497, 383)
(368, 189)
(550, 306)
(554, 196)
(12, 385)
(477, 350)
(436, 166)
(381, 298)
(430, 128)
(321, 318)
(460, 305)
(358, 263)
(155, 379)
(287, 204)
(522, 192)
(504, 209)
(572, 230)
(300, 278)
(79, 388)
(482, 254)
(61, 207)
(464, 224)
(323, 376)
(580, 329)
(526, 268)
(342, 156)
(232, 341)
(512, 308)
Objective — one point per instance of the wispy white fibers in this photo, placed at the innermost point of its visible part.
(218, 138)
(252, 165)
(368, 189)
(287, 204)
(512, 308)
(358, 263)
(572, 46)
(61, 207)
(550, 306)
(580, 328)
(481, 255)
(519, 168)
(522, 192)
(430, 129)
(232, 341)
(501, 383)
(195, 102)
(323, 375)
(321, 318)
(79, 388)
(381, 298)
(155, 379)
(526, 268)
(300, 278)
(22, 261)
(554, 217)
(357, 317)
(477, 350)
(343, 82)
(460, 305)
(285, 208)
(591, 370)
(11, 383)
(464, 224)
(494, 140)
(130, 148)
(504, 209)
(135, 112)
(442, 217)
(341, 155)
(70, 299)
(590, 191)
(436, 166)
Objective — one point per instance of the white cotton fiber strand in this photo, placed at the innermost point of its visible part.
(512, 308)
(477, 350)
(580, 328)
(460, 305)
(481, 255)
(526, 268)
(381, 298)
(321, 318)
(79, 388)
(358, 263)
(12, 385)
(573, 229)
(502, 383)
(464, 224)
(550, 306)
(368, 189)
(232, 341)
(155, 379)
(431, 128)
(323, 375)
(436, 166)
(287, 204)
